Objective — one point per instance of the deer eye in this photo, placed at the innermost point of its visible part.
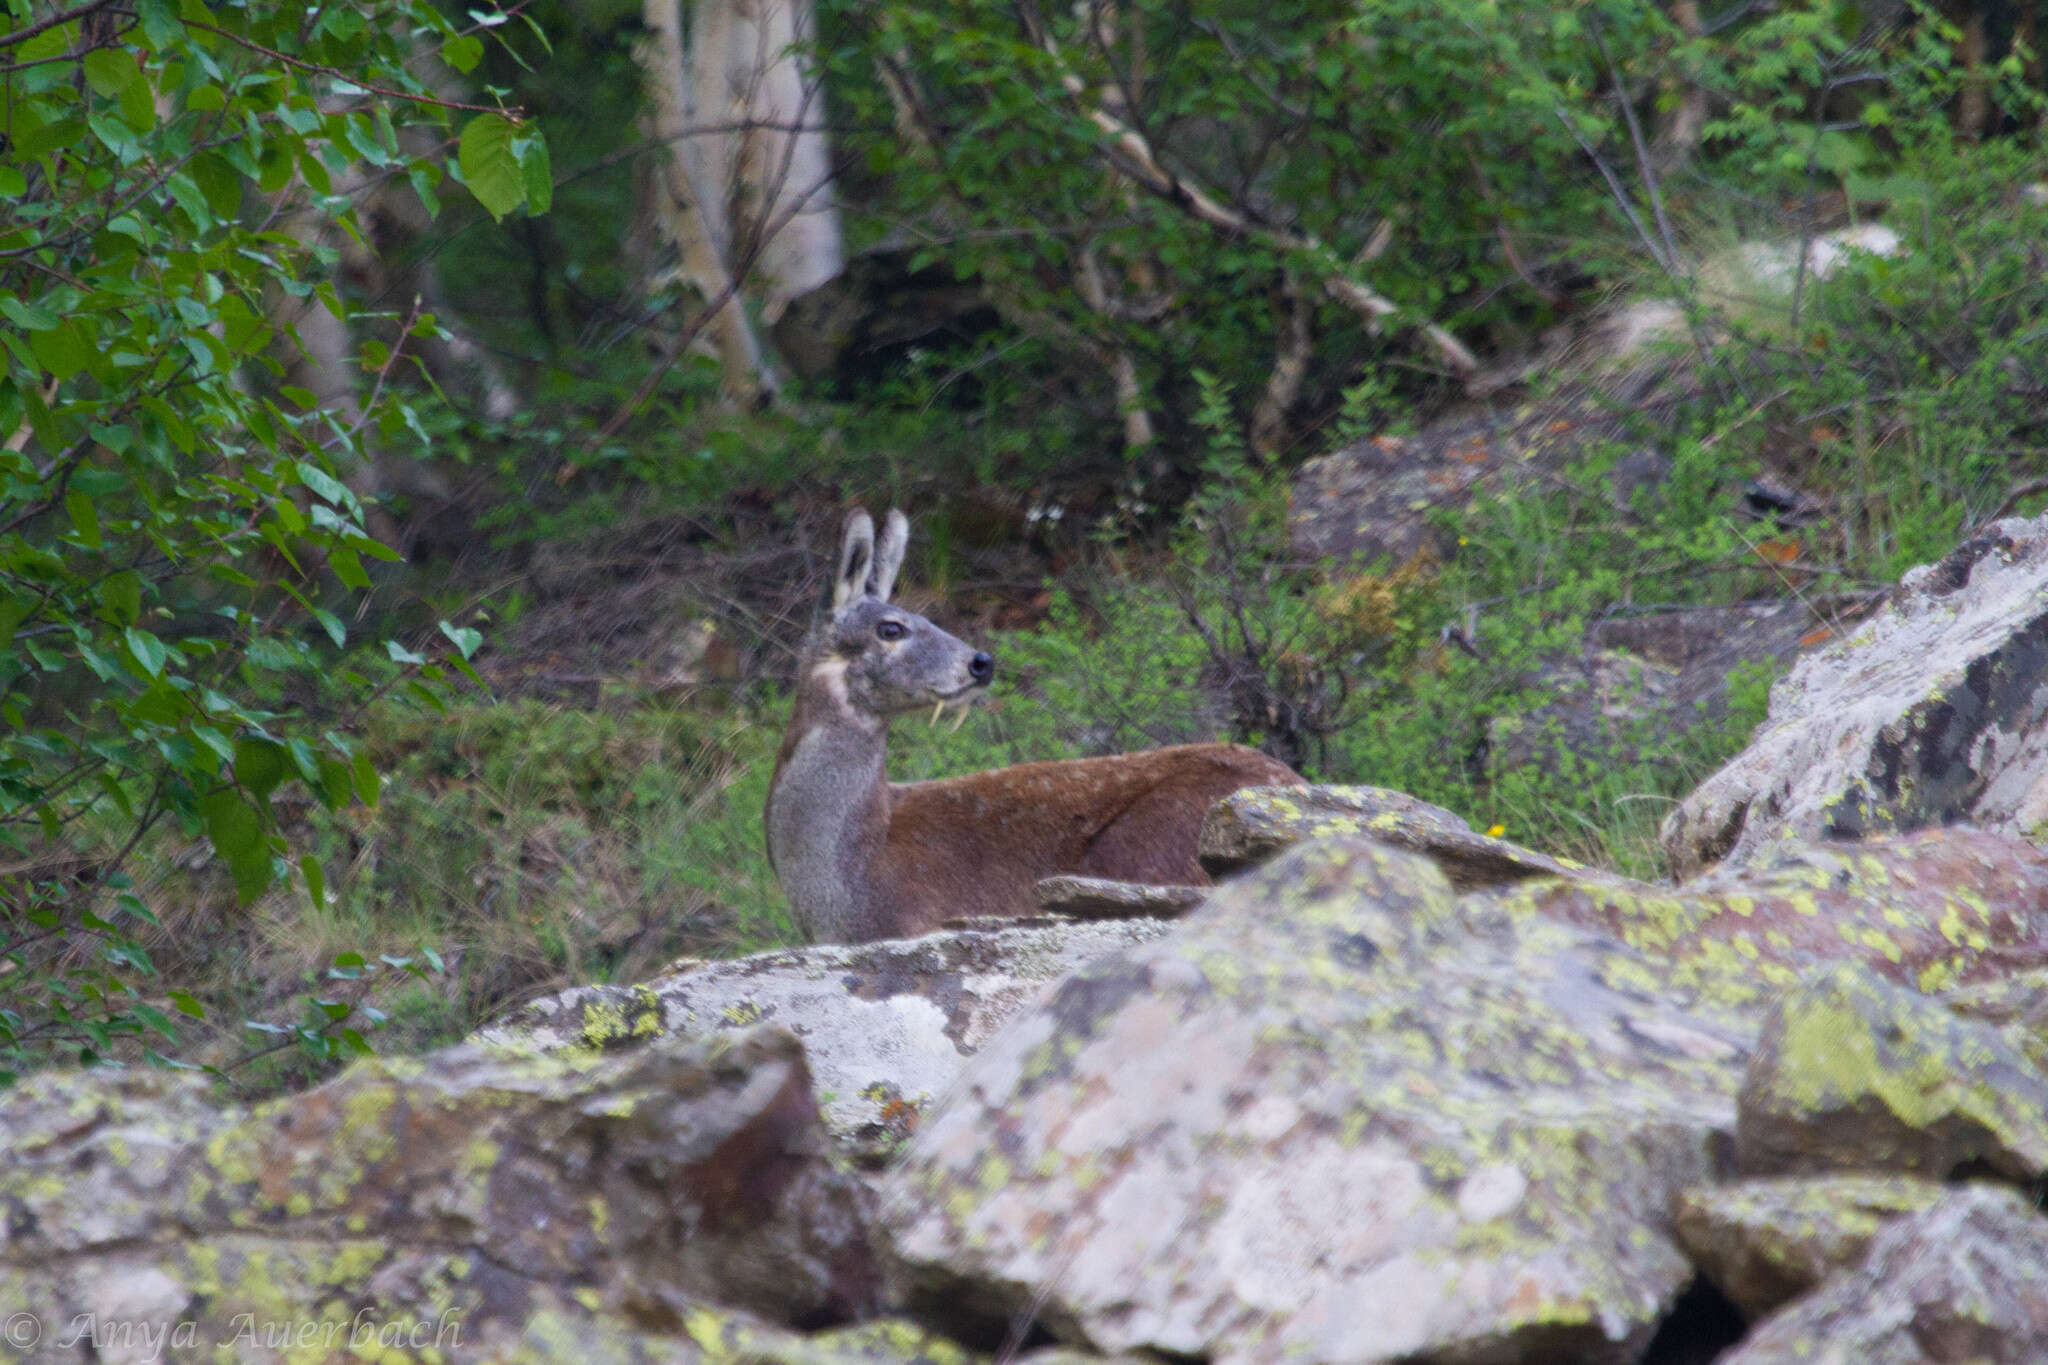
(888, 630)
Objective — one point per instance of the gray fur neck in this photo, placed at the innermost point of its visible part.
(828, 810)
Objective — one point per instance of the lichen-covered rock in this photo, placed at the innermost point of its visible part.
(683, 1173)
(885, 1025)
(2017, 1002)
(1936, 712)
(278, 1301)
(1931, 910)
(1250, 826)
(1965, 1280)
(1763, 1242)
(1338, 1115)
(1852, 1072)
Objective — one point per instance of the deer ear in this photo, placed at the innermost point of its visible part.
(856, 555)
(889, 554)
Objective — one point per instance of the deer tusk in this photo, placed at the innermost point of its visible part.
(959, 719)
(938, 707)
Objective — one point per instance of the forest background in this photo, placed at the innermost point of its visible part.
(422, 430)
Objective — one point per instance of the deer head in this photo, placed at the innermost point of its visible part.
(884, 659)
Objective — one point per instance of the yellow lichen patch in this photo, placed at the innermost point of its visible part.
(742, 1014)
(1849, 1038)
(604, 1024)
(706, 1328)
(479, 1157)
(647, 1017)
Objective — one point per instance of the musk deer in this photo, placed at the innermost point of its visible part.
(861, 857)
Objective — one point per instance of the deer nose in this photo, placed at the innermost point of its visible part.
(982, 667)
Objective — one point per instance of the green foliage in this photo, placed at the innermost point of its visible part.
(177, 529)
(1345, 138)
(663, 804)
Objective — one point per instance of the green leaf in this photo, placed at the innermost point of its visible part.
(259, 764)
(30, 317)
(367, 781)
(348, 568)
(121, 598)
(489, 167)
(463, 52)
(464, 638)
(62, 350)
(326, 486)
(236, 831)
(316, 880)
(304, 759)
(536, 174)
(187, 1004)
(149, 651)
(334, 786)
(84, 520)
(110, 70)
(160, 25)
(331, 623)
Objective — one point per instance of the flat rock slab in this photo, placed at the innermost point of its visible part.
(1101, 898)
(886, 1026)
(1965, 1280)
(1338, 1115)
(1764, 1242)
(1250, 826)
(1936, 712)
(1853, 1072)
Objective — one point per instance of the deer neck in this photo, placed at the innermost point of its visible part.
(828, 807)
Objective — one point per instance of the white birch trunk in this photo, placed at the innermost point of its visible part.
(691, 205)
(773, 168)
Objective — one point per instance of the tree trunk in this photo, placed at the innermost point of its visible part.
(747, 176)
(690, 206)
(773, 169)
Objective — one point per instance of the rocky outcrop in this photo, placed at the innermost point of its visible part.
(1249, 826)
(1339, 1115)
(1765, 1242)
(1936, 712)
(1963, 1280)
(886, 1026)
(1854, 1073)
(480, 1196)
(1383, 497)
(1933, 910)
(1638, 679)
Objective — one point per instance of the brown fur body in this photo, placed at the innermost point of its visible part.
(1130, 817)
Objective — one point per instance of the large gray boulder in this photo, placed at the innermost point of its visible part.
(885, 1026)
(1965, 1280)
(1340, 1114)
(1853, 1072)
(464, 1201)
(1764, 1242)
(1936, 712)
